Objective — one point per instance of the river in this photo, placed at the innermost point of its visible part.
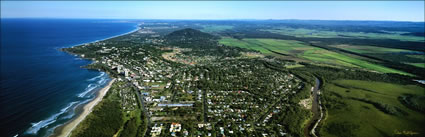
(309, 130)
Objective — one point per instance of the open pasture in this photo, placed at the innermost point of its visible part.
(300, 50)
(409, 57)
(365, 108)
(312, 33)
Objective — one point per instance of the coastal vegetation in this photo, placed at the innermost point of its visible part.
(104, 120)
(119, 121)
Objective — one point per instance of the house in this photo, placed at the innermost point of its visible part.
(175, 127)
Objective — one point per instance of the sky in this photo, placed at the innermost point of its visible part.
(312, 10)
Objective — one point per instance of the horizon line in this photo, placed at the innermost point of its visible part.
(214, 19)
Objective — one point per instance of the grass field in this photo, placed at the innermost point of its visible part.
(369, 49)
(299, 50)
(421, 65)
(350, 115)
(301, 32)
(390, 54)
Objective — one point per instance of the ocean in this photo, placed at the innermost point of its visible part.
(41, 85)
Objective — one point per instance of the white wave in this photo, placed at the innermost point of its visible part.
(72, 113)
(102, 81)
(69, 115)
(94, 78)
(89, 88)
(43, 123)
(51, 130)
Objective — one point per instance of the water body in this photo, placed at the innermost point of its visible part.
(40, 85)
(316, 109)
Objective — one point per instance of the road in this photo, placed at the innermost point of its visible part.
(141, 100)
(310, 129)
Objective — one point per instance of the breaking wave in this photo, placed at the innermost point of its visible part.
(101, 75)
(88, 89)
(35, 127)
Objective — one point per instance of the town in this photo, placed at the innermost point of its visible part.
(184, 95)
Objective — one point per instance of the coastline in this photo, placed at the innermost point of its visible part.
(66, 129)
(81, 44)
(87, 109)
(132, 31)
(36, 113)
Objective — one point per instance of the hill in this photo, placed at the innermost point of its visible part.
(191, 38)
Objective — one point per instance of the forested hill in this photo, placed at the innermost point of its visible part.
(191, 38)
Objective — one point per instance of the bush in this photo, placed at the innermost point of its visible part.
(105, 120)
(130, 129)
(342, 129)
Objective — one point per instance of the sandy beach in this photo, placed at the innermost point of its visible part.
(68, 127)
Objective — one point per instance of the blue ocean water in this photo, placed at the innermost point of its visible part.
(40, 85)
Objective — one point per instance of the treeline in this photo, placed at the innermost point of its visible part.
(330, 73)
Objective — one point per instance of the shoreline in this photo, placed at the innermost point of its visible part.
(68, 127)
(81, 44)
(132, 31)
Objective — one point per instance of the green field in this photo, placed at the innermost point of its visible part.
(369, 49)
(421, 65)
(352, 109)
(302, 32)
(299, 50)
(389, 54)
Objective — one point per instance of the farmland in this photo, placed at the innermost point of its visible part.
(303, 32)
(294, 49)
(369, 49)
(409, 57)
(422, 65)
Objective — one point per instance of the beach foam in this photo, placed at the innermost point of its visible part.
(89, 88)
(44, 123)
(72, 113)
(87, 109)
(103, 79)
(101, 75)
